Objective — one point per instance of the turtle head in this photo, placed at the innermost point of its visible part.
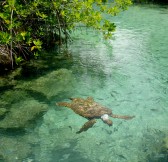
(106, 119)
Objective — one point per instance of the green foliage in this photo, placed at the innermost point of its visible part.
(91, 12)
(28, 26)
(162, 2)
(4, 37)
(37, 45)
(18, 59)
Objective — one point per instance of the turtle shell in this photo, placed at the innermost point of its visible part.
(88, 108)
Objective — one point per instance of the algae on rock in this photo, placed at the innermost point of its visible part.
(22, 113)
(24, 102)
(165, 144)
(52, 84)
(2, 111)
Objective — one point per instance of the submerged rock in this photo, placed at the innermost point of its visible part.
(52, 84)
(22, 113)
(165, 144)
(25, 101)
(12, 96)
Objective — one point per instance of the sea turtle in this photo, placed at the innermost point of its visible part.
(91, 110)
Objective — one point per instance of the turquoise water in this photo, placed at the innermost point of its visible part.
(128, 73)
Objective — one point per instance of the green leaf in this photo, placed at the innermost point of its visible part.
(5, 37)
(37, 42)
(23, 34)
(18, 59)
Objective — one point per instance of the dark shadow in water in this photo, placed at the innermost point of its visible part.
(20, 131)
(37, 96)
(68, 154)
(12, 132)
(6, 87)
(44, 64)
(40, 97)
(161, 157)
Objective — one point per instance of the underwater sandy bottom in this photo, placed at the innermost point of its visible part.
(139, 139)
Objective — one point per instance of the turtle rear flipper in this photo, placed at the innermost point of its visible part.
(87, 125)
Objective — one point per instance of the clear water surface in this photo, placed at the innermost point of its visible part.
(129, 74)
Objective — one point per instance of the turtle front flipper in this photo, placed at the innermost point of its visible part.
(87, 125)
(64, 104)
(126, 117)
